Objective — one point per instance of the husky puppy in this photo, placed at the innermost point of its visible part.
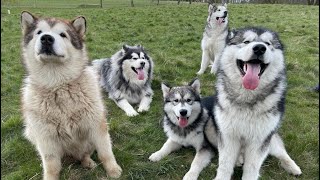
(184, 122)
(61, 100)
(214, 37)
(250, 102)
(127, 76)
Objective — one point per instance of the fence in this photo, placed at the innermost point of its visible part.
(115, 3)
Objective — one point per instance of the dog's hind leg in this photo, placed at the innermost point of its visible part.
(214, 67)
(204, 62)
(168, 147)
(278, 150)
(124, 105)
(200, 161)
(87, 162)
(102, 142)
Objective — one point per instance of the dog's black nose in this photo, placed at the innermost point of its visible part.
(225, 13)
(142, 64)
(183, 112)
(47, 40)
(259, 49)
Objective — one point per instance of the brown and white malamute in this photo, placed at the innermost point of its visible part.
(61, 100)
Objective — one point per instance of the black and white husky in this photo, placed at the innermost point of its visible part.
(214, 37)
(251, 87)
(184, 123)
(126, 76)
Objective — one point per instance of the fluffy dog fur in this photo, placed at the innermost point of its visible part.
(214, 37)
(126, 76)
(184, 123)
(251, 87)
(61, 100)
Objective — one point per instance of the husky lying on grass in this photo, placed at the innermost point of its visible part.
(126, 76)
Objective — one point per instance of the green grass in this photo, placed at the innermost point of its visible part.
(172, 36)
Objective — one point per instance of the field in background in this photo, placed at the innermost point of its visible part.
(172, 36)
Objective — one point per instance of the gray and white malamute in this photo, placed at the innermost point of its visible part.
(249, 107)
(214, 37)
(126, 76)
(61, 100)
(184, 123)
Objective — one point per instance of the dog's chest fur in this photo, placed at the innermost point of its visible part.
(69, 109)
(194, 137)
(245, 122)
(213, 38)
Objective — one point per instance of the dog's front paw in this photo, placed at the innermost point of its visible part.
(131, 113)
(239, 162)
(200, 72)
(190, 176)
(88, 163)
(155, 157)
(143, 108)
(213, 70)
(114, 171)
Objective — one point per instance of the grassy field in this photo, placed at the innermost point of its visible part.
(172, 36)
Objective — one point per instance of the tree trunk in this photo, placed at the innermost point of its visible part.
(178, 1)
(132, 5)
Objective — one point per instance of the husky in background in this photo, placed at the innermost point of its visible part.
(214, 37)
(250, 102)
(126, 76)
(184, 122)
(61, 100)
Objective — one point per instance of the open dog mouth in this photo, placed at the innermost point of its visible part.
(183, 121)
(139, 71)
(251, 72)
(221, 19)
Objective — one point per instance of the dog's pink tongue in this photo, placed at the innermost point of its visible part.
(220, 20)
(140, 74)
(251, 79)
(183, 121)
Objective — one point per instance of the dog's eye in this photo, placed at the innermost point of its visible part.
(176, 100)
(219, 10)
(246, 42)
(267, 43)
(189, 100)
(39, 32)
(63, 35)
(142, 57)
(134, 58)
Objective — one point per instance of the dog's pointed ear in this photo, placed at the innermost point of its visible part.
(165, 89)
(211, 7)
(27, 19)
(80, 25)
(195, 84)
(125, 48)
(232, 33)
(225, 5)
